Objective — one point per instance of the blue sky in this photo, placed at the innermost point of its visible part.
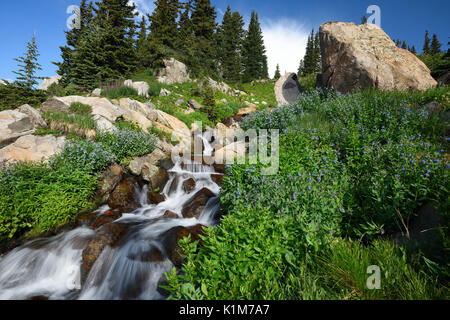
(285, 23)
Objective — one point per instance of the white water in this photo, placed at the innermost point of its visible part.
(51, 268)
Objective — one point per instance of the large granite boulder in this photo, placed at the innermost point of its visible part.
(48, 82)
(33, 148)
(173, 72)
(141, 87)
(34, 115)
(288, 89)
(13, 125)
(363, 56)
(221, 86)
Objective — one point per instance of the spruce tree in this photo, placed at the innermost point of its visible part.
(364, 20)
(404, 45)
(277, 73)
(186, 31)
(230, 39)
(204, 26)
(301, 69)
(426, 45)
(163, 23)
(413, 50)
(435, 45)
(317, 55)
(255, 59)
(116, 19)
(28, 65)
(142, 50)
(309, 59)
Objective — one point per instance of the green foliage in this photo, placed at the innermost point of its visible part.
(308, 82)
(277, 73)
(13, 96)
(82, 121)
(121, 92)
(438, 63)
(60, 90)
(80, 108)
(28, 65)
(226, 110)
(126, 143)
(154, 89)
(46, 131)
(350, 166)
(35, 195)
(312, 62)
(255, 59)
(264, 91)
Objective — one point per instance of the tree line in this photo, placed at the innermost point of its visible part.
(110, 44)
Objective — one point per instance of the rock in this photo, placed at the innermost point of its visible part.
(141, 87)
(153, 254)
(48, 82)
(153, 158)
(194, 104)
(181, 130)
(55, 104)
(228, 153)
(3, 82)
(107, 235)
(155, 198)
(433, 108)
(101, 124)
(34, 115)
(13, 125)
(165, 93)
(173, 72)
(171, 215)
(33, 148)
(363, 57)
(157, 177)
(224, 100)
(246, 111)
(172, 238)
(217, 179)
(194, 207)
(189, 185)
(264, 103)
(221, 86)
(224, 135)
(179, 102)
(97, 92)
(108, 217)
(109, 180)
(288, 89)
(188, 111)
(100, 106)
(122, 196)
(220, 168)
(444, 80)
(150, 105)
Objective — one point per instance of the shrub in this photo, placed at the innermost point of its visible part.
(121, 92)
(13, 96)
(83, 155)
(226, 110)
(126, 144)
(154, 89)
(35, 195)
(308, 82)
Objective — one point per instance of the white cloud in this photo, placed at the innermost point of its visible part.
(285, 40)
(143, 6)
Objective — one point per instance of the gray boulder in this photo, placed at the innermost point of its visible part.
(34, 115)
(13, 125)
(48, 82)
(288, 89)
(173, 72)
(194, 104)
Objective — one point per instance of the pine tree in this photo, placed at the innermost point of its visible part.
(186, 31)
(301, 68)
(413, 50)
(435, 45)
(28, 65)
(404, 45)
(426, 45)
(204, 26)
(230, 39)
(364, 20)
(255, 59)
(309, 59)
(317, 55)
(277, 73)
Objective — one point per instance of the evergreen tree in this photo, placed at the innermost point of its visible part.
(186, 31)
(413, 50)
(435, 45)
(230, 39)
(163, 23)
(277, 73)
(404, 45)
(28, 65)
(301, 69)
(309, 59)
(204, 26)
(255, 59)
(116, 19)
(317, 55)
(142, 50)
(72, 37)
(364, 20)
(426, 45)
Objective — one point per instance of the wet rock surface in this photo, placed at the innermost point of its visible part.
(123, 196)
(194, 207)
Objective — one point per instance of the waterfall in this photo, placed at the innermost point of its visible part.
(51, 268)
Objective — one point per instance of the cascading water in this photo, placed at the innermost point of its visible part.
(51, 268)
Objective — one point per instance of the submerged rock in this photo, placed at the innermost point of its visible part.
(189, 185)
(155, 198)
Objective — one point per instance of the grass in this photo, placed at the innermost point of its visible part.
(80, 108)
(262, 91)
(82, 121)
